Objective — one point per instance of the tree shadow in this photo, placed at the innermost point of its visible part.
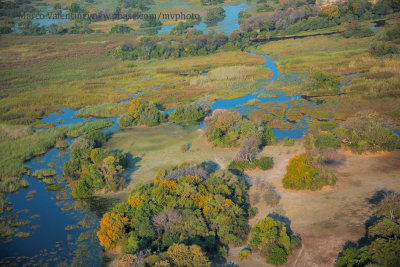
(378, 196)
(210, 166)
(374, 200)
(283, 219)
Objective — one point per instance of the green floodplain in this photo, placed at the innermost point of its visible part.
(259, 133)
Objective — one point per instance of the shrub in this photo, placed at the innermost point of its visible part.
(277, 256)
(226, 128)
(272, 239)
(82, 142)
(263, 163)
(214, 15)
(288, 141)
(244, 254)
(301, 173)
(368, 132)
(98, 137)
(380, 49)
(325, 140)
(125, 121)
(188, 112)
(144, 112)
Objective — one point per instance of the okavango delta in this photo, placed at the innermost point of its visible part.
(250, 133)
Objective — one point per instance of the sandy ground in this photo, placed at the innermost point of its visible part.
(326, 219)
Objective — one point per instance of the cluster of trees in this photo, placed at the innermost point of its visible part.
(381, 245)
(186, 205)
(367, 131)
(211, 2)
(92, 168)
(387, 43)
(273, 240)
(190, 111)
(193, 43)
(307, 172)
(142, 112)
(29, 28)
(214, 15)
(355, 29)
(227, 128)
(121, 29)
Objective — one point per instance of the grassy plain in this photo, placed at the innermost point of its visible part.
(374, 88)
(158, 147)
(40, 73)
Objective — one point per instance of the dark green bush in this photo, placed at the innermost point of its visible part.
(325, 140)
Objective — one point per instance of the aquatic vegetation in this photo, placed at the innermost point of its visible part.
(22, 234)
(61, 144)
(40, 174)
(70, 227)
(54, 187)
(30, 195)
(35, 227)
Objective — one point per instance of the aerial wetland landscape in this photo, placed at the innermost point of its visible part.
(200, 133)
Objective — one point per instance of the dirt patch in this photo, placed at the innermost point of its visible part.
(326, 219)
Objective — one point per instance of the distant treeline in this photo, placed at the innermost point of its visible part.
(287, 19)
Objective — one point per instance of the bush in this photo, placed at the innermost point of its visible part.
(380, 49)
(288, 141)
(144, 112)
(244, 254)
(277, 256)
(226, 128)
(302, 173)
(263, 163)
(125, 121)
(272, 239)
(188, 112)
(214, 15)
(368, 132)
(325, 140)
(98, 137)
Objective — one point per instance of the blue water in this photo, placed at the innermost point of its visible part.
(228, 25)
(239, 103)
(166, 29)
(51, 240)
